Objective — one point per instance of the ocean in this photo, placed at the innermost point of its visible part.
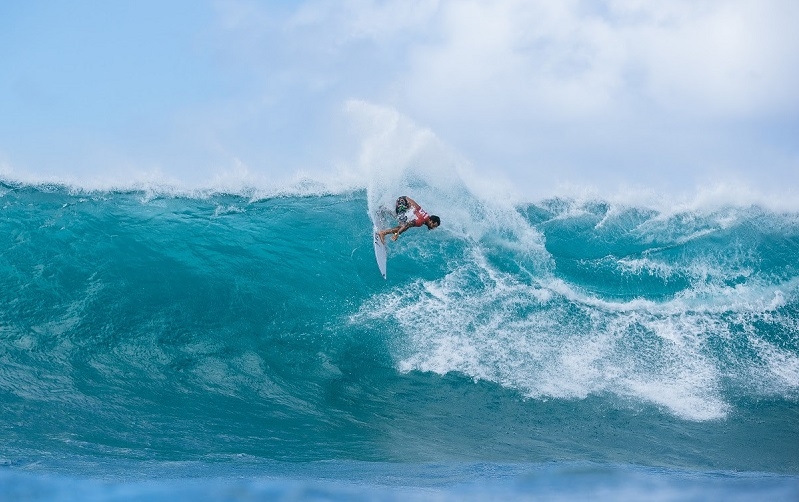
(160, 344)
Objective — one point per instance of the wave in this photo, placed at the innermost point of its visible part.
(144, 317)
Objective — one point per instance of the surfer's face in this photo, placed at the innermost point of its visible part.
(432, 224)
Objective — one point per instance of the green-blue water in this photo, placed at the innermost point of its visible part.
(151, 336)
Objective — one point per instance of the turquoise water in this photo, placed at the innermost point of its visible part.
(203, 345)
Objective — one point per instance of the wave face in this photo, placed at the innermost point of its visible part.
(140, 326)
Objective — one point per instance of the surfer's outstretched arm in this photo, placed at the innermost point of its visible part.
(400, 229)
(396, 231)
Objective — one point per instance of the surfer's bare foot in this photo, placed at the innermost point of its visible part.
(395, 236)
(382, 237)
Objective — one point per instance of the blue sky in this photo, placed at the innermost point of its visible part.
(667, 95)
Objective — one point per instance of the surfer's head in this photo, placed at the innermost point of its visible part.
(433, 221)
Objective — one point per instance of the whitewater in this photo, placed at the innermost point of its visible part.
(165, 343)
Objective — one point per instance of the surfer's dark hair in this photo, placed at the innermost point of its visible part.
(435, 219)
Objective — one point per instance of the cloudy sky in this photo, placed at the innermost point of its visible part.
(661, 94)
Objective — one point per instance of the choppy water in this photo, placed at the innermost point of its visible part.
(207, 345)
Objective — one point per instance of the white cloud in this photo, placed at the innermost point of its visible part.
(733, 58)
(545, 91)
(555, 60)
(558, 60)
(616, 91)
(640, 92)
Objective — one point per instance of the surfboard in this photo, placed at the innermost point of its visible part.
(380, 253)
(380, 220)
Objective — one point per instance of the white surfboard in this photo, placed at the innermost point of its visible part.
(380, 253)
(380, 219)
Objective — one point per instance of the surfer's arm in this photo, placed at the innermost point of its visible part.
(400, 229)
(396, 231)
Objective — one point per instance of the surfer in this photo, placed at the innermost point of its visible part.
(409, 214)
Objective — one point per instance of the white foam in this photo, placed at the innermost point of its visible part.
(548, 339)
(638, 266)
(782, 365)
(153, 186)
(398, 157)
(704, 199)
